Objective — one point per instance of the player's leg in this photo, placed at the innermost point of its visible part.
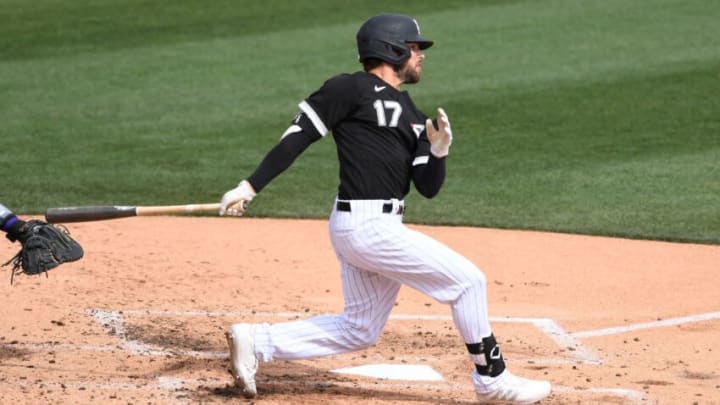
(369, 298)
(415, 259)
(458, 282)
(410, 257)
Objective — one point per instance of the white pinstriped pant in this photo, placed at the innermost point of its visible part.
(378, 254)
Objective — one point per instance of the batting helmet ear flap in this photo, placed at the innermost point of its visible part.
(391, 52)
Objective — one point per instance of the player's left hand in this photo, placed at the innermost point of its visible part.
(441, 138)
(235, 201)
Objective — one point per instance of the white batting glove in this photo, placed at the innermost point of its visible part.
(440, 139)
(235, 201)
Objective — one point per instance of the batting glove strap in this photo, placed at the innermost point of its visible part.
(235, 201)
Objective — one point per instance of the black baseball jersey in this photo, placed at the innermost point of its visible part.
(379, 134)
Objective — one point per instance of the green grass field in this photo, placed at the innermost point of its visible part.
(572, 116)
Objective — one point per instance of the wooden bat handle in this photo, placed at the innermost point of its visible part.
(176, 209)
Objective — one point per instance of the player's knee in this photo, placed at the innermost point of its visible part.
(361, 336)
(364, 338)
(478, 281)
(472, 277)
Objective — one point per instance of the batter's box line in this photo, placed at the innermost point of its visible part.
(115, 321)
(649, 325)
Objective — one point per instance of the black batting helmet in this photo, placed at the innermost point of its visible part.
(385, 37)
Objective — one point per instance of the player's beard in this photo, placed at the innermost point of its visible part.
(408, 73)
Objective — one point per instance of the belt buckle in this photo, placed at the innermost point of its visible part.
(397, 207)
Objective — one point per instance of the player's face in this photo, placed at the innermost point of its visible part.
(411, 70)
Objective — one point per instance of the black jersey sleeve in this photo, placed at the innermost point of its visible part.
(293, 142)
(319, 113)
(428, 171)
(330, 104)
(429, 177)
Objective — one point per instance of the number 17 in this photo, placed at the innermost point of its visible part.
(381, 106)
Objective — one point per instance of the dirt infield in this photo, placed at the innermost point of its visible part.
(141, 318)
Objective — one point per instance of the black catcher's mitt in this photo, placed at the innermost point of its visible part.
(44, 247)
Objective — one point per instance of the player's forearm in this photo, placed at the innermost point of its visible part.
(5, 214)
(9, 222)
(279, 159)
(429, 178)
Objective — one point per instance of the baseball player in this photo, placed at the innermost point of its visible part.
(384, 143)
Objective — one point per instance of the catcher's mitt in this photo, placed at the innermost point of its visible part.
(44, 247)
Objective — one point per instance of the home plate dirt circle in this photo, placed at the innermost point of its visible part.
(140, 319)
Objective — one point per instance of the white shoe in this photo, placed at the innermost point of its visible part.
(508, 388)
(244, 363)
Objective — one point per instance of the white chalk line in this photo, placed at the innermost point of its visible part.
(115, 321)
(578, 354)
(551, 328)
(648, 325)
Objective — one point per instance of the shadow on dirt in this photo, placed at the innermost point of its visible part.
(299, 383)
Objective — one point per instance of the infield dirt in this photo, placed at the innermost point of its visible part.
(140, 319)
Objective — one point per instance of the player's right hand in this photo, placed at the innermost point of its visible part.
(441, 138)
(235, 201)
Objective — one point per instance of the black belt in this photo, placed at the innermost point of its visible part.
(387, 208)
